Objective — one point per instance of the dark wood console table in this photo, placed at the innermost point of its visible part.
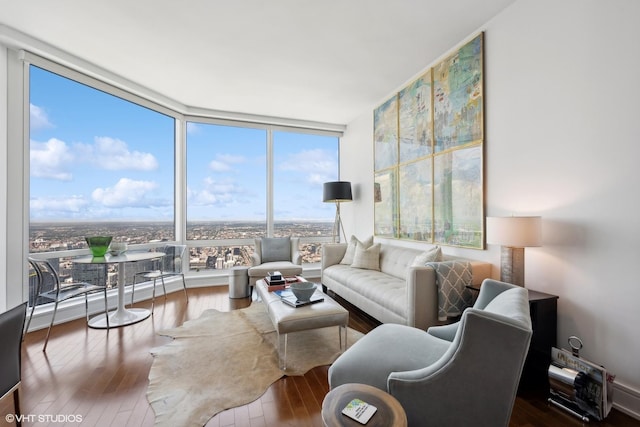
(544, 321)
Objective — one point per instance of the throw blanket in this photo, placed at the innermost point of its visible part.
(452, 278)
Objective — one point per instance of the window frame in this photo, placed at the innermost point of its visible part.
(109, 83)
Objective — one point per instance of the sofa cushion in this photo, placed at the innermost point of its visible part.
(395, 260)
(351, 249)
(432, 255)
(367, 258)
(370, 285)
(276, 249)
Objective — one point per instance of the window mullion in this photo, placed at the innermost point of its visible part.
(270, 171)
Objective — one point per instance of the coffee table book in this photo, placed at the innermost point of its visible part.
(277, 285)
(287, 297)
(274, 285)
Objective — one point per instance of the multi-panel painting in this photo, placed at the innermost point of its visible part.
(428, 163)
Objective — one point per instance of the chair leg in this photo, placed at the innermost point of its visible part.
(46, 340)
(26, 328)
(106, 307)
(133, 289)
(164, 289)
(184, 285)
(86, 307)
(153, 296)
(16, 406)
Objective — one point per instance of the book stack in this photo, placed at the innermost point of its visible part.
(275, 281)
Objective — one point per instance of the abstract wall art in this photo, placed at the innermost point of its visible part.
(428, 150)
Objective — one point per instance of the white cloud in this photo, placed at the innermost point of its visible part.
(193, 128)
(114, 154)
(223, 162)
(319, 165)
(215, 193)
(38, 118)
(126, 193)
(50, 160)
(54, 206)
(218, 166)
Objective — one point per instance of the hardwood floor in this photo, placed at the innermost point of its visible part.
(101, 376)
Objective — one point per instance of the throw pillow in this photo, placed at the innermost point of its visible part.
(452, 278)
(432, 255)
(276, 249)
(367, 258)
(351, 249)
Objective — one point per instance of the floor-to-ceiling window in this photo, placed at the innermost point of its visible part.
(103, 161)
(99, 165)
(302, 163)
(246, 181)
(226, 195)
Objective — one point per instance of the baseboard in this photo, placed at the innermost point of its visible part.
(626, 399)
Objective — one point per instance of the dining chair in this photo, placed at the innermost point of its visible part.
(11, 331)
(167, 266)
(50, 289)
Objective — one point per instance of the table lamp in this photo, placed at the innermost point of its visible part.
(337, 191)
(513, 233)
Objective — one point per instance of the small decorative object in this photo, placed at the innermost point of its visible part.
(98, 245)
(359, 410)
(118, 248)
(303, 290)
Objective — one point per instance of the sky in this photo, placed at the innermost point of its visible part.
(96, 157)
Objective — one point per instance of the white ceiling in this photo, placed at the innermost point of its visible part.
(322, 60)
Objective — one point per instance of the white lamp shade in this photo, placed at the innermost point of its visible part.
(515, 231)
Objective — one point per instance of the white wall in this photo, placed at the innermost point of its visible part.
(562, 103)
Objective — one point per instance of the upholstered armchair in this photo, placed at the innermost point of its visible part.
(275, 254)
(462, 374)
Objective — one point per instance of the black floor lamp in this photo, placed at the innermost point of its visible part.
(337, 191)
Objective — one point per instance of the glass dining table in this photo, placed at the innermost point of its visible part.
(121, 316)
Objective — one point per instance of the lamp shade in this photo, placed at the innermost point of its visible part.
(337, 191)
(514, 231)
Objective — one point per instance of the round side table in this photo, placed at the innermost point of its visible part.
(389, 413)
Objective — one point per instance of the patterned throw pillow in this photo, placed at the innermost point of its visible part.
(367, 258)
(452, 278)
(351, 249)
(432, 255)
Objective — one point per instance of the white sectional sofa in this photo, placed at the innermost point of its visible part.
(396, 293)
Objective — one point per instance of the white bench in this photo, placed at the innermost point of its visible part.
(287, 319)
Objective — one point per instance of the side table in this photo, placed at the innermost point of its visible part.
(544, 319)
(389, 413)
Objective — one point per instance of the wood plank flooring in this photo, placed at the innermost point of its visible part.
(101, 376)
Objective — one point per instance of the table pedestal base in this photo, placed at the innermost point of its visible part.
(120, 317)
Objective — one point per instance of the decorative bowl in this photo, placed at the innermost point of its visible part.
(98, 244)
(303, 290)
(117, 248)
